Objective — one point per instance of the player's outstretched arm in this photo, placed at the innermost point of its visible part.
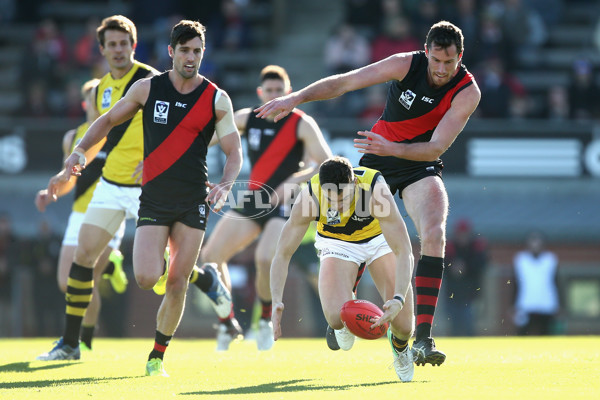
(122, 111)
(393, 67)
(303, 212)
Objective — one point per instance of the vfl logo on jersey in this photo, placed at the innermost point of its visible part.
(269, 132)
(406, 98)
(161, 110)
(106, 97)
(202, 210)
(333, 217)
(254, 138)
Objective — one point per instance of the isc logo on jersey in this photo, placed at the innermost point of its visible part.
(406, 98)
(161, 111)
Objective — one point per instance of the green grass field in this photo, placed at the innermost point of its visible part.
(476, 368)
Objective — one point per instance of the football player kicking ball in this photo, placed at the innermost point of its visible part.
(357, 221)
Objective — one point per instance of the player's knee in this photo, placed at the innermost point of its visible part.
(263, 265)
(434, 235)
(85, 256)
(146, 280)
(333, 319)
(177, 285)
(211, 254)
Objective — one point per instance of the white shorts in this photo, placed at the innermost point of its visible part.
(74, 224)
(113, 197)
(358, 253)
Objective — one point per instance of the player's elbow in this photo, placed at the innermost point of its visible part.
(435, 151)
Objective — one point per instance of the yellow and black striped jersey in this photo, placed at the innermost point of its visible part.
(126, 140)
(356, 224)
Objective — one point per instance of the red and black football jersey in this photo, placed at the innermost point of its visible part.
(177, 130)
(414, 109)
(274, 150)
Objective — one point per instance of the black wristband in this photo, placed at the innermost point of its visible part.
(400, 299)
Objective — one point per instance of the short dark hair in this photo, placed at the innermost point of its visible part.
(275, 72)
(444, 34)
(336, 171)
(185, 30)
(117, 23)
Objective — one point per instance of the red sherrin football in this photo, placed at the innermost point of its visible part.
(358, 317)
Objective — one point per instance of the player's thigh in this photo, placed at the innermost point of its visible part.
(149, 246)
(231, 235)
(184, 243)
(383, 273)
(267, 244)
(426, 202)
(336, 279)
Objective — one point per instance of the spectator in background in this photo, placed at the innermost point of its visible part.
(550, 11)
(229, 28)
(73, 102)
(467, 259)
(50, 54)
(364, 15)
(523, 27)
(465, 14)
(492, 42)
(583, 91)
(44, 67)
(500, 91)
(397, 37)
(346, 50)
(428, 13)
(8, 260)
(86, 53)
(36, 102)
(557, 107)
(537, 298)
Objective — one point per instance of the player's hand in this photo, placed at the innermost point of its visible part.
(391, 308)
(218, 194)
(55, 183)
(279, 107)
(276, 314)
(74, 164)
(42, 200)
(137, 173)
(374, 144)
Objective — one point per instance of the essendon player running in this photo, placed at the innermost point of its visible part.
(277, 151)
(431, 97)
(182, 111)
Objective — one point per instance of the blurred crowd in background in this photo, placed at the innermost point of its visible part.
(501, 37)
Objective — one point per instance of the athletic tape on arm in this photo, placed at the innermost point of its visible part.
(227, 124)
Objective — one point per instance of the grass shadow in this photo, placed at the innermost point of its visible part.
(296, 385)
(60, 382)
(26, 366)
